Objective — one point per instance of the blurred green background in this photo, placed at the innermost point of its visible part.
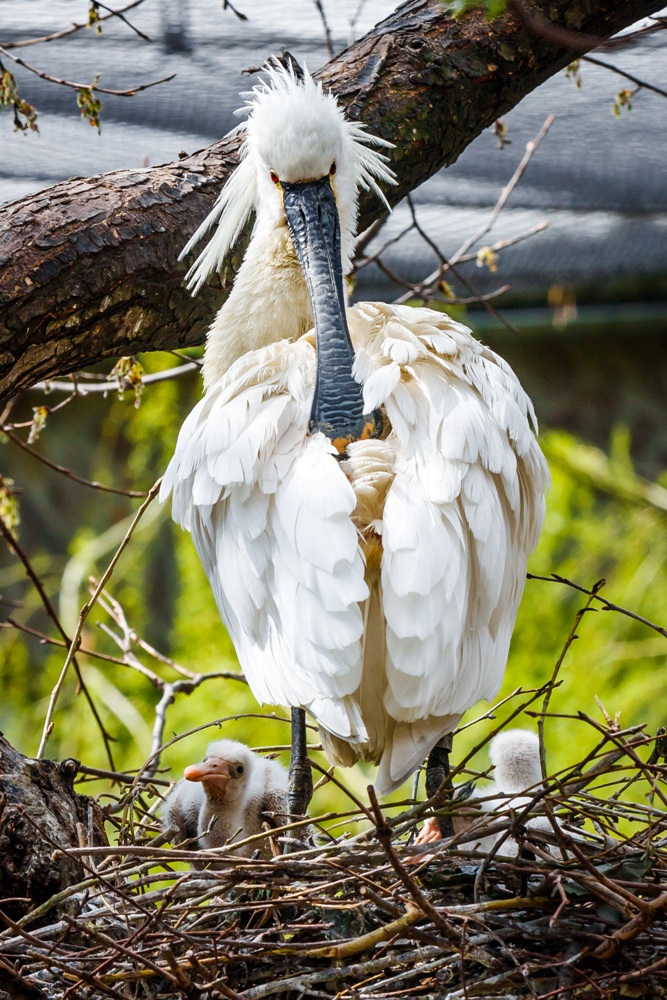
(604, 520)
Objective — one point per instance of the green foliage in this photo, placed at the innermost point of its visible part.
(622, 100)
(603, 521)
(94, 17)
(25, 115)
(9, 507)
(90, 104)
(492, 8)
(573, 72)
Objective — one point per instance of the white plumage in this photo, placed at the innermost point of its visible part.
(378, 591)
(230, 796)
(515, 755)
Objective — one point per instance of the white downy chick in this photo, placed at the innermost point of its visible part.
(515, 755)
(229, 796)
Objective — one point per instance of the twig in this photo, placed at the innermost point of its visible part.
(325, 25)
(607, 605)
(554, 33)
(77, 27)
(68, 472)
(120, 776)
(531, 148)
(13, 542)
(227, 5)
(107, 388)
(383, 833)
(628, 76)
(554, 676)
(130, 92)
(168, 690)
(120, 15)
(459, 256)
(83, 615)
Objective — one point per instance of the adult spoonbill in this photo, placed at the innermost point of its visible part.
(363, 495)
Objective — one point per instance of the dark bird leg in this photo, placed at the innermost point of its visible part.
(300, 775)
(437, 778)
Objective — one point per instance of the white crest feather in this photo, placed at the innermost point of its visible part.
(234, 206)
(282, 104)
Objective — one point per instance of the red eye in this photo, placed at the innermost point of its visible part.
(274, 177)
(332, 169)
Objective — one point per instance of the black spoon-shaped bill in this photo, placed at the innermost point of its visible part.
(338, 406)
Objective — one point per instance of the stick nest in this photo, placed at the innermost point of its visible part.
(576, 912)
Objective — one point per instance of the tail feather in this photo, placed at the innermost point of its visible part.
(407, 744)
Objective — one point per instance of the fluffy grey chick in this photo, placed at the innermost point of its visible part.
(229, 796)
(515, 755)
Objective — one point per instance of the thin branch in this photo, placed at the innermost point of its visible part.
(226, 5)
(554, 676)
(168, 689)
(325, 26)
(606, 605)
(459, 256)
(130, 92)
(628, 76)
(450, 266)
(77, 26)
(106, 387)
(120, 15)
(121, 776)
(351, 38)
(531, 147)
(13, 542)
(554, 33)
(68, 472)
(83, 615)
(363, 239)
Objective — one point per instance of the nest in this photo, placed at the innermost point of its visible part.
(575, 912)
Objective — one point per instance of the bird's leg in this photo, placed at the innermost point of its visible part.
(437, 779)
(300, 788)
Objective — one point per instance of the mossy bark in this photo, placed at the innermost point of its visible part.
(40, 812)
(88, 268)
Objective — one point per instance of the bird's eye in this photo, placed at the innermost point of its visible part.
(239, 770)
(274, 177)
(332, 169)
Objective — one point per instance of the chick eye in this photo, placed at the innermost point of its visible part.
(274, 177)
(332, 169)
(240, 769)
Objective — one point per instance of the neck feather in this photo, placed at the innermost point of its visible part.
(269, 302)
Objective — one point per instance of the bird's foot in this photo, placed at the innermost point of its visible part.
(429, 832)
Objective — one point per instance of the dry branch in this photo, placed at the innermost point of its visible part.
(88, 268)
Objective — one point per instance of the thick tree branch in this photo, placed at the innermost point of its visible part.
(88, 268)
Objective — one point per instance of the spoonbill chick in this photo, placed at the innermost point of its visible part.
(515, 755)
(228, 797)
(363, 486)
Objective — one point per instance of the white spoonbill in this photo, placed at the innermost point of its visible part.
(363, 486)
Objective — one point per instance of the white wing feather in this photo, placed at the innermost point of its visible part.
(269, 511)
(462, 515)
(279, 523)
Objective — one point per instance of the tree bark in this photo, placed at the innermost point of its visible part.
(39, 812)
(88, 268)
